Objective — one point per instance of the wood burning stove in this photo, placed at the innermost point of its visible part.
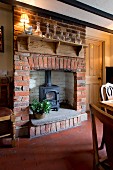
(49, 91)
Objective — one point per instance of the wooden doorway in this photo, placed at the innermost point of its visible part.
(93, 71)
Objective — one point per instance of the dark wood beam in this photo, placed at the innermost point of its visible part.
(88, 8)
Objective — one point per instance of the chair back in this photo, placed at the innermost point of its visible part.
(107, 91)
(7, 124)
(107, 121)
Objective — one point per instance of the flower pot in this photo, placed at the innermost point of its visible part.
(39, 116)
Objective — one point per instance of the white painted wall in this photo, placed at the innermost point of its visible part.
(6, 20)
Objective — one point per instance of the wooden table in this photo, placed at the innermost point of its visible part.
(108, 104)
(108, 108)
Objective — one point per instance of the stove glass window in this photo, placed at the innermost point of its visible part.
(50, 95)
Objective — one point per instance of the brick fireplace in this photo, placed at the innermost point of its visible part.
(32, 54)
(24, 62)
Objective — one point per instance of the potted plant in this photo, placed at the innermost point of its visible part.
(40, 108)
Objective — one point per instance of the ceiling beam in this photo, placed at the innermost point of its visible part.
(88, 8)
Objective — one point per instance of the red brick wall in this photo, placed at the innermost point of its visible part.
(26, 61)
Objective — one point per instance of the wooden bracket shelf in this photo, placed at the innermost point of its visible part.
(29, 39)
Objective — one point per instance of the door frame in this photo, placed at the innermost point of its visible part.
(103, 70)
(103, 73)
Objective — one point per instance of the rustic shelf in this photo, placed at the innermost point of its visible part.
(57, 43)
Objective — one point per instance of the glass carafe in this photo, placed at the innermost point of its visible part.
(54, 33)
(73, 38)
(47, 34)
(67, 38)
(62, 37)
(78, 39)
(38, 31)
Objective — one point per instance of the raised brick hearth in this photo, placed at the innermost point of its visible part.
(55, 122)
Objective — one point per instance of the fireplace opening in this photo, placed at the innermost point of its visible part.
(66, 104)
(49, 91)
(59, 89)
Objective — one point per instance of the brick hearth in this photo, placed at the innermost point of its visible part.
(56, 121)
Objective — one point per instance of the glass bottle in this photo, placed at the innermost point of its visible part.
(79, 41)
(62, 37)
(38, 31)
(54, 33)
(73, 38)
(67, 38)
(47, 35)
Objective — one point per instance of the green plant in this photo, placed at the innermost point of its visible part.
(40, 107)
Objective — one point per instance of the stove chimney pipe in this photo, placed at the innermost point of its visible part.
(48, 77)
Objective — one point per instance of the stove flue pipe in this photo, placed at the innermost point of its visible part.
(48, 77)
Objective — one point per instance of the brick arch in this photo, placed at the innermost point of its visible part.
(40, 61)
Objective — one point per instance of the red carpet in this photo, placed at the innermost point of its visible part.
(68, 150)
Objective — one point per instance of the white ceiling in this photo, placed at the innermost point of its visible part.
(104, 5)
(65, 9)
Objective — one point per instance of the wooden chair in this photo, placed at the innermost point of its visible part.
(7, 124)
(106, 94)
(107, 91)
(107, 121)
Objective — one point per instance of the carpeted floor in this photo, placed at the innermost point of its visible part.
(67, 150)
